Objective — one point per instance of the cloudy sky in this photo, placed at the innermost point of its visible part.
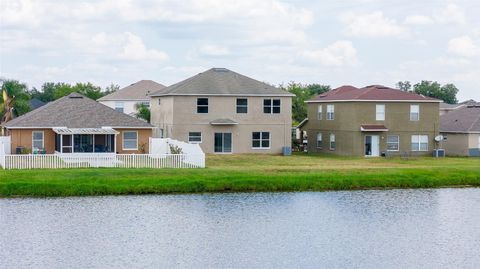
(337, 42)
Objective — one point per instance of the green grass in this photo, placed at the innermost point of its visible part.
(244, 173)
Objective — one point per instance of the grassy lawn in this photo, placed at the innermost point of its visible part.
(300, 172)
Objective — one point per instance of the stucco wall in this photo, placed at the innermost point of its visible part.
(128, 106)
(349, 116)
(178, 116)
(460, 144)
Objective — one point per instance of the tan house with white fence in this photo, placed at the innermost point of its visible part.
(225, 112)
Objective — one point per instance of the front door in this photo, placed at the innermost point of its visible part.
(372, 145)
(223, 143)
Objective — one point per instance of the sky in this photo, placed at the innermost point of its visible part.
(337, 42)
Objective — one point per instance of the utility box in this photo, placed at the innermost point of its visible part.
(287, 151)
(438, 153)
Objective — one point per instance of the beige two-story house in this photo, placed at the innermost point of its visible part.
(225, 112)
(372, 121)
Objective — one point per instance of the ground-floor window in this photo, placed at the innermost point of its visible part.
(37, 140)
(419, 142)
(195, 137)
(393, 143)
(319, 140)
(261, 140)
(130, 140)
(333, 144)
(223, 142)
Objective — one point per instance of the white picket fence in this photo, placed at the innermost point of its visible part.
(72, 160)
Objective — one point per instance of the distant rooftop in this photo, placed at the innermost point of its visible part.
(370, 93)
(136, 91)
(221, 81)
(465, 119)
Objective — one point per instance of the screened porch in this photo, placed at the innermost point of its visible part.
(85, 140)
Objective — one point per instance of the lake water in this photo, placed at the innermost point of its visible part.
(437, 228)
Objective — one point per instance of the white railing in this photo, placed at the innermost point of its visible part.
(72, 160)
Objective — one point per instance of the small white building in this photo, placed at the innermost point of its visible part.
(125, 99)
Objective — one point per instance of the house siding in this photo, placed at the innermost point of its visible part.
(461, 144)
(349, 116)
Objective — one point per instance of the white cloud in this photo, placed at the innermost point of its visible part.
(418, 20)
(339, 53)
(373, 24)
(214, 50)
(134, 49)
(450, 14)
(463, 46)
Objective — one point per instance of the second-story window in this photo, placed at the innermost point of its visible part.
(319, 112)
(414, 112)
(119, 106)
(330, 112)
(202, 105)
(271, 106)
(380, 112)
(242, 105)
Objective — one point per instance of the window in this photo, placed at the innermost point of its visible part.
(419, 142)
(145, 103)
(202, 105)
(222, 142)
(119, 106)
(261, 140)
(271, 106)
(393, 143)
(333, 145)
(330, 112)
(195, 137)
(380, 112)
(319, 140)
(130, 140)
(242, 105)
(159, 101)
(319, 112)
(37, 140)
(414, 112)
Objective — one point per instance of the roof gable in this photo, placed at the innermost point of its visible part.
(75, 111)
(221, 81)
(370, 93)
(136, 92)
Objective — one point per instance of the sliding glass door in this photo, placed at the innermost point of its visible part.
(223, 143)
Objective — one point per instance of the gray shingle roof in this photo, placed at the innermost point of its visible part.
(75, 111)
(221, 81)
(462, 120)
(223, 122)
(136, 91)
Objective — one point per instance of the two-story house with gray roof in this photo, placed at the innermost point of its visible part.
(225, 112)
(372, 120)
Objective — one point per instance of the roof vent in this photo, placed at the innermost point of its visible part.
(220, 69)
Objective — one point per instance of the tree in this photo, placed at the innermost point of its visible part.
(302, 94)
(111, 89)
(19, 93)
(143, 112)
(447, 93)
(405, 86)
(51, 91)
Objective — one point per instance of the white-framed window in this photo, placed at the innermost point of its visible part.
(38, 140)
(145, 103)
(242, 105)
(319, 112)
(419, 142)
(380, 112)
(195, 137)
(130, 140)
(414, 112)
(202, 105)
(119, 106)
(271, 106)
(330, 112)
(333, 144)
(393, 143)
(261, 140)
(319, 140)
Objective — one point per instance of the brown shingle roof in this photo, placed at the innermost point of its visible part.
(136, 91)
(370, 93)
(221, 81)
(75, 111)
(462, 120)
